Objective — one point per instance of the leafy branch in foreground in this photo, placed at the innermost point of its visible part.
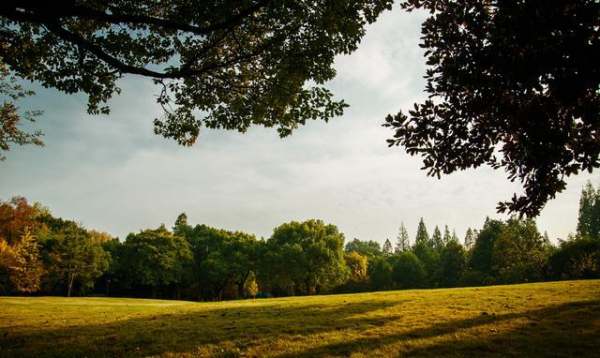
(511, 84)
(219, 64)
(10, 118)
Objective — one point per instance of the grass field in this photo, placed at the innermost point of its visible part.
(551, 319)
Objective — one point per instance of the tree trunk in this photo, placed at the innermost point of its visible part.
(71, 278)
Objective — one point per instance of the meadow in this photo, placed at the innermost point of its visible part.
(537, 319)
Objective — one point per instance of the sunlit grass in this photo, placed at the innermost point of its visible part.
(553, 319)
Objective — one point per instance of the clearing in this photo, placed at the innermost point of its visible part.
(539, 319)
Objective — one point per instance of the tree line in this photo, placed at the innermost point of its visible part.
(43, 254)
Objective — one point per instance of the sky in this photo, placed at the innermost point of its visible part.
(112, 173)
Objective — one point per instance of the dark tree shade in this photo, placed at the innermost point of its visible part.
(220, 64)
(511, 84)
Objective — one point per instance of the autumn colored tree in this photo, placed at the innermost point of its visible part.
(26, 270)
(11, 117)
(17, 217)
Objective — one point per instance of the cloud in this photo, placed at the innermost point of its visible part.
(114, 174)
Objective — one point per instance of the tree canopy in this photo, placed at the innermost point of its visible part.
(511, 84)
(218, 64)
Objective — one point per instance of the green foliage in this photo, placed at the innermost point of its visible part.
(408, 271)
(387, 247)
(481, 255)
(366, 248)
(470, 238)
(452, 264)
(307, 256)
(518, 253)
(202, 262)
(578, 258)
(588, 224)
(74, 258)
(381, 273)
(225, 64)
(437, 241)
(156, 258)
(518, 78)
(422, 237)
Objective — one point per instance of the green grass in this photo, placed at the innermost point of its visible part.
(542, 319)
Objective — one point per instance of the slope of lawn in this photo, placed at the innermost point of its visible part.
(551, 319)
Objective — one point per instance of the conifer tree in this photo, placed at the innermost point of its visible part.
(469, 238)
(454, 237)
(437, 241)
(387, 247)
(447, 236)
(422, 235)
(402, 241)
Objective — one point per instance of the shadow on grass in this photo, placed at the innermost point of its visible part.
(561, 330)
(220, 331)
(567, 330)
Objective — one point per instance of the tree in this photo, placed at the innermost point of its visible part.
(367, 248)
(518, 253)
(452, 264)
(251, 287)
(7, 260)
(387, 247)
(437, 241)
(309, 255)
(481, 255)
(511, 84)
(402, 240)
(156, 258)
(181, 226)
(447, 236)
(588, 223)
(358, 266)
(380, 273)
(577, 258)
(425, 252)
(408, 271)
(74, 258)
(231, 63)
(422, 235)
(469, 238)
(221, 258)
(26, 270)
(17, 217)
(11, 118)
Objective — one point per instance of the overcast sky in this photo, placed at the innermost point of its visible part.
(112, 173)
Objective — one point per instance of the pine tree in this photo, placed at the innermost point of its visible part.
(422, 235)
(402, 241)
(447, 236)
(469, 238)
(437, 241)
(454, 237)
(387, 247)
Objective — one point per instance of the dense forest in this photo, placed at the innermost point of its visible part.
(43, 254)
